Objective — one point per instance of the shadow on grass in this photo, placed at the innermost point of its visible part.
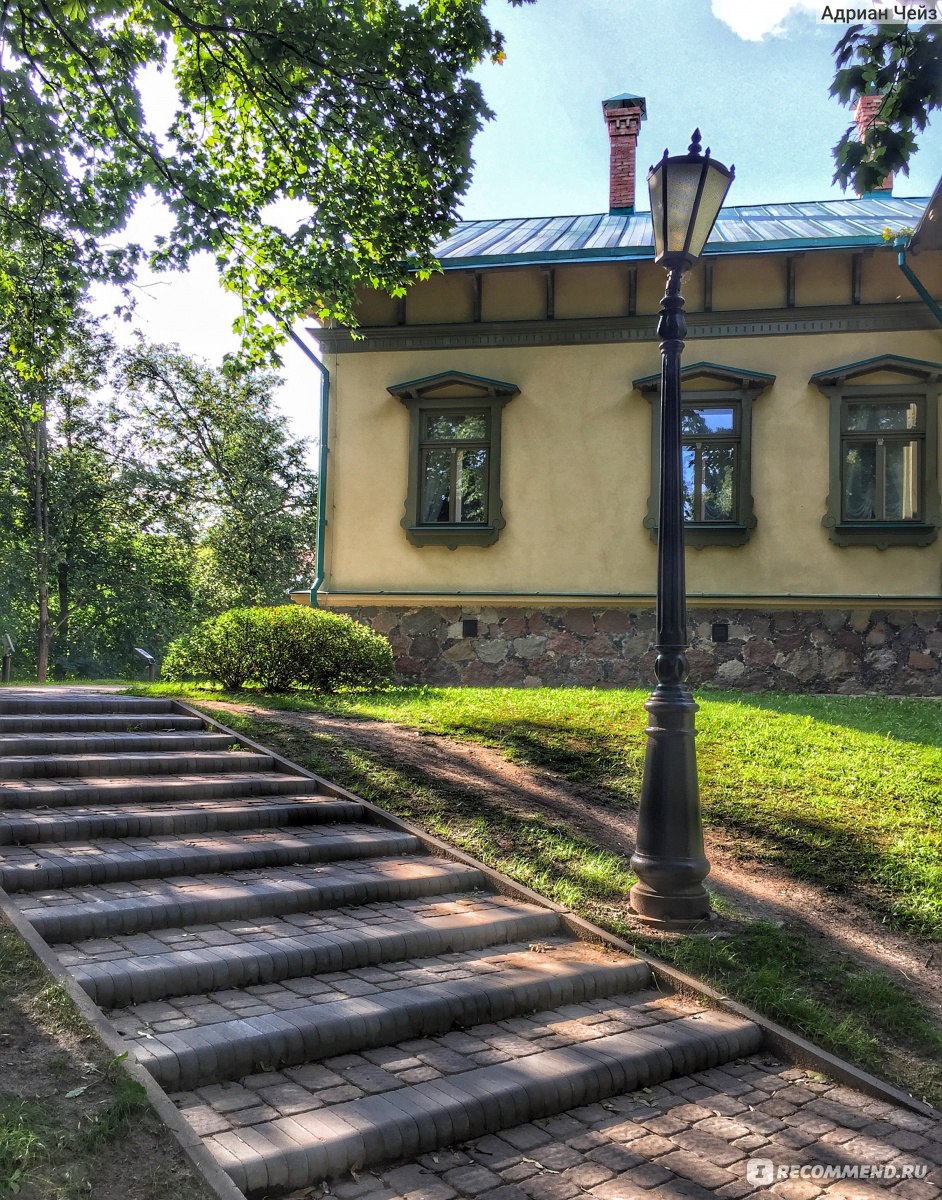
(900, 884)
(897, 877)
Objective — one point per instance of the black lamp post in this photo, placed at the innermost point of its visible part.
(687, 192)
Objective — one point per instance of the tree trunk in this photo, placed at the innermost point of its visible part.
(38, 473)
(62, 624)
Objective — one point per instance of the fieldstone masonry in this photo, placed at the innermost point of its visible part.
(834, 650)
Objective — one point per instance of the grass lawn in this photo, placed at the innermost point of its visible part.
(845, 792)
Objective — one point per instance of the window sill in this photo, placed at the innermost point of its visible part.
(452, 536)
(882, 534)
(697, 537)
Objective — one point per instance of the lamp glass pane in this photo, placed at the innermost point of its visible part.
(714, 190)
(656, 192)
(683, 179)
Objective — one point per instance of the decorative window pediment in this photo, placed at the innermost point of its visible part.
(717, 451)
(883, 451)
(453, 497)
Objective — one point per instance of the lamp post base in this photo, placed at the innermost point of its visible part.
(680, 911)
(669, 859)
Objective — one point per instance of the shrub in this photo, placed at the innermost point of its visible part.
(280, 647)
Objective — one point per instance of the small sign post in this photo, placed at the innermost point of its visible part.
(151, 663)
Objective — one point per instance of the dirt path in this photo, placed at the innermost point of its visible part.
(760, 892)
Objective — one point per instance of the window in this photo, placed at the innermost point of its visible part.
(882, 447)
(453, 497)
(710, 453)
(716, 431)
(455, 447)
(883, 452)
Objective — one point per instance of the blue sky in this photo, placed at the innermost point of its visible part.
(752, 74)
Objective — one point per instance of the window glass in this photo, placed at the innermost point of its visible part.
(719, 465)
(471, 485)
(709, 482)
(436, 486)
(711, 437)
(454, 473)
(701, 422)
(690, 482)
(901, 500)
(880, 461)
(453, 427)
(875, 417)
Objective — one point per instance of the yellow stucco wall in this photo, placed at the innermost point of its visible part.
(575, 476)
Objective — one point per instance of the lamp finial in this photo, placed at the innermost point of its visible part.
(694, 147)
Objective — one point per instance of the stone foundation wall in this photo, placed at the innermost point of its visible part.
(886, 651)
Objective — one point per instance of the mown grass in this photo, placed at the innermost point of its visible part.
(844, 792)
(858, 1013)
(81, 1125)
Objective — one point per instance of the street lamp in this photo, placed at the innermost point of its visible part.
(687, 192)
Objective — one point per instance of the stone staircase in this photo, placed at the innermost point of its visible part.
(317, 988)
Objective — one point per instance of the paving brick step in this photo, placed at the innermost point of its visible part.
(48, 766)
(75, 824)
(136, 789)
(298, 1151)
(97, 722)
(57, 704)
(110, 861)
(520, 982)
(70, 916)
(384, 934)
(43, 745)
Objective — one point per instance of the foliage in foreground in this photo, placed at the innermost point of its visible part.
(283, 646)
(904, 66)
(308, 146)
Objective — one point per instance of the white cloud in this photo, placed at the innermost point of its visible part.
(754, 20)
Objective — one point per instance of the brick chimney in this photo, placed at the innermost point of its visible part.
(867, 113)
(623, 116)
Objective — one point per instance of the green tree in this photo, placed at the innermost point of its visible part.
(44, 351)
(228, 469)
(358, 113)
(904, 66)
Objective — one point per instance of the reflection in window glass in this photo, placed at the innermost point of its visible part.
(454, 471)
(717, 487)
(881, 461)
(882, 416)
(881, 480)
(471, 485)
(709, 475)
(436, 486)
(452, 427)
(700, 422)
(690, 482)
(710, 454)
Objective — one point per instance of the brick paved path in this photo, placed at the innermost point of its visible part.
(686, 1139)
(322, 993)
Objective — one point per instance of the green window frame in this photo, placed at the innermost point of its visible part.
(453, 495)
(883, 451)
(717, 450)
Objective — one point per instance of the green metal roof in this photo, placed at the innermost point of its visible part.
(618, 236)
